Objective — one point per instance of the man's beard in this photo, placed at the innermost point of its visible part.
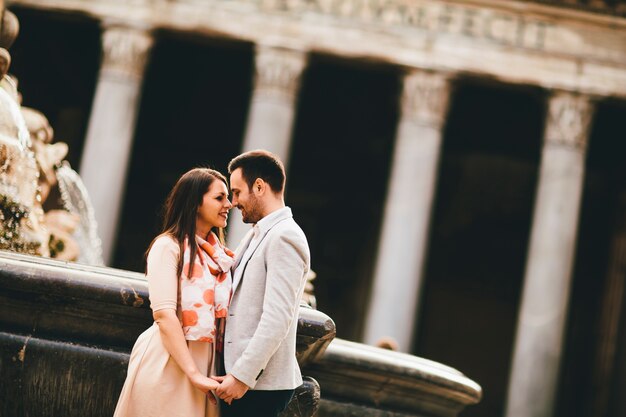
(252, 213)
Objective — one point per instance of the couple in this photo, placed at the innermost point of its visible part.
(217, 312)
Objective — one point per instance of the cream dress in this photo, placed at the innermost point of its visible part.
(155, 385)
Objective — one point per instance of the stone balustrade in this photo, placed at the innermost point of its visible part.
(66, 331)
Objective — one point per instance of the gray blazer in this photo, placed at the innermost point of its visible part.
(260, 339)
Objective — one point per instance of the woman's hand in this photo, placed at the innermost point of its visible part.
(206, 385)
(175, 343)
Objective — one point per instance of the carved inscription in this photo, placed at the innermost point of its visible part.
(493, 26)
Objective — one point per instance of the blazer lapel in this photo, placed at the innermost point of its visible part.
(241, 267)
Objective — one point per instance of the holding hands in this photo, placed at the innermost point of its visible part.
(230, 388)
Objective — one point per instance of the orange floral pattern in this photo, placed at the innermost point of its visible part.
(205, 288)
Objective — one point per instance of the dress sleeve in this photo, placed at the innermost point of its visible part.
(161, 274)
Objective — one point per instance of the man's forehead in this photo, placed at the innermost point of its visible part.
(236, 175)
(235, 184)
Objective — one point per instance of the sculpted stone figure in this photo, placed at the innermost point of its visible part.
(59, 224)
(22, 216)
(28, 170)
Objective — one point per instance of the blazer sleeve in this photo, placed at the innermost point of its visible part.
(287, 262)
(161, 274)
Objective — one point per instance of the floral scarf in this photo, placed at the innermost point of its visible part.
(205, 288)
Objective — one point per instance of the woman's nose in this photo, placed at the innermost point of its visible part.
(228, 203)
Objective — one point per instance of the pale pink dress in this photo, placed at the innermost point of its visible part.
(155, 385)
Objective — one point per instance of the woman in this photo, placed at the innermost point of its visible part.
(188, 272)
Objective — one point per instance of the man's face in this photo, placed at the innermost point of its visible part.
(244, 199)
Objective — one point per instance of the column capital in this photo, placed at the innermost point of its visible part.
(278, 71)
(425, 97)
(569, 120)
(125, 51)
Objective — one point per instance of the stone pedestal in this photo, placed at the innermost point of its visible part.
(272, 110)
(111, 129)
(543, 310)
(404, 236)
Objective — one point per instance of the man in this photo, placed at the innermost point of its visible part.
(268, 281)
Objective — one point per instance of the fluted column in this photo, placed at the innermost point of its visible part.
(272, 110)
(111, 129)
(403, 242)
(543, 310)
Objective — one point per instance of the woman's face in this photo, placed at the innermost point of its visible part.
(213, 212)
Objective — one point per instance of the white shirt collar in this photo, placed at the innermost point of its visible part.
(267, 222)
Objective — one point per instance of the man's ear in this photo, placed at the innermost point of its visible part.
(258, 188)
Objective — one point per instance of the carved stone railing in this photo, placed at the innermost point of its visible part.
(357, 379)
(66, 331)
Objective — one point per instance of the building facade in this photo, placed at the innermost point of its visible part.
(458, 166)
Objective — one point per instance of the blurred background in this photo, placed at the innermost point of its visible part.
(458, 167)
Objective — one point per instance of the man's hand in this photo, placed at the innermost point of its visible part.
(230, 388)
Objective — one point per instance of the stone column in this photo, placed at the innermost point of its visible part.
(111, 127)
(543, 309)
(404, 236)
(272, 110)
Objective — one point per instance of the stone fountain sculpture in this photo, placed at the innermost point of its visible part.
(53, 364)
(30, 167)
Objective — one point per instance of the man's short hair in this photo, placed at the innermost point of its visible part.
(260, 164)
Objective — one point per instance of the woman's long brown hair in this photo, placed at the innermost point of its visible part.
(181, 211)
